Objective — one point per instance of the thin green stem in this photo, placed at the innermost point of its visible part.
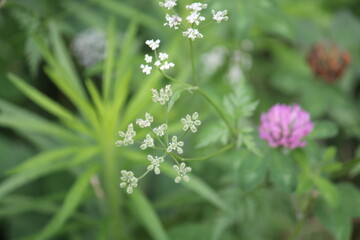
(193, 63)
(220, 112)
(176, 81)
(300, 224)
(224, 149)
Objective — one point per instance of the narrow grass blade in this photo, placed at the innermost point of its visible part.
(141, 207)
(23, 178)
(71, 202)
(110, 58)
(41, 99)
(128, 12)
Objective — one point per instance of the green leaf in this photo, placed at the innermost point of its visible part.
(251, 172)
(199, 187)
(44, 158)
(110, 58)
(131, 13)
(25, 121)
(282, 171)
(71, 202)
(22, 178)
(176, 95)
(324, 129)
(213, 133)
(41, 99)
(63, 56)
(327, 190)
(338, 220)
(147, 215)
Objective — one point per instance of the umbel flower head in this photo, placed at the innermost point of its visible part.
(286, 126)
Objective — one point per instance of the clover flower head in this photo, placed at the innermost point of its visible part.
(128, 179)
(192, 33)
(175, 145)
(160, 131)
(162, 96)
(182, 171)
(167, 65)
(128, 136)
(163, 56)
(285, 125)
(145, 123)
(168, 4)
(195, 17)
(220, 16)
(155, 163)
(196, 7)
(173, 21)
(153, 44)
(148, 142)
(148, 59)
(146, 69)
(191, 122)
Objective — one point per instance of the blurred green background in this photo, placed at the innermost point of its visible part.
(69, 188)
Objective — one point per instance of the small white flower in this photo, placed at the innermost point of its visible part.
(148, 142)
(153, 44)
(163, 56)
(193, 34)
(195, 17)
(173, 21)
(182, 171)
(175, 145)
(128, 179)
(220, 16)
(196, 7)
(162, 96)
(155, 163)
(128, 136)
(146, 69)
(167, 65)
(169, 4)
(191, 122)
(157, 63)
(145, 123)
(160, 131)
(148, 59)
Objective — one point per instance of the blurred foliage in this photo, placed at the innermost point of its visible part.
(53, 148)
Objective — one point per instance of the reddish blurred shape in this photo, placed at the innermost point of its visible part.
(328, 61)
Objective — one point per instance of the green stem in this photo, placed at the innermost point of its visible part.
(180, 82)
(300, 224)
(193, 62)
(224, 149)
(220, 112)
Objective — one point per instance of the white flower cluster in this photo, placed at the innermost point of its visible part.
(128, 136)
(171, 148)
(155, 163)
(194, 18)
(182, 171)
(175, 145)
(173, 21)
(220, 16)
(128, 179)
(160, 131)
(191, 122)
(145, 123)
(148, 142)
(168, 4)
(162, 96)
(159, 62)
